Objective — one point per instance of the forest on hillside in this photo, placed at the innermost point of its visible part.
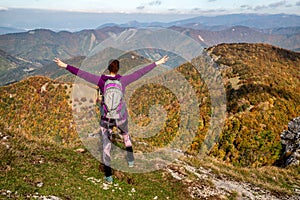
(262, 84)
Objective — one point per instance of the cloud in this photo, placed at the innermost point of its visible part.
(209, 11)
(288, 5)
(256, 8)
(269, 6)
(246, 7)
(150, 4)
(211, 0)
(172, 9)
(154, 3)
(3, 9)
(298, 3)
(140, 7)
(196, 9)
(277, 4)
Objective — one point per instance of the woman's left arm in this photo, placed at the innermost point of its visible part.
(92, 78)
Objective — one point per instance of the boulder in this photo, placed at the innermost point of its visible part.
(290, 140)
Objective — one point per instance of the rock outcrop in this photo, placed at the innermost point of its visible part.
(290, 140)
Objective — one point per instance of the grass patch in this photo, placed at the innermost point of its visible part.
(32, 168)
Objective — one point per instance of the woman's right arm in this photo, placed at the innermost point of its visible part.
(92, 78)
(141, 72)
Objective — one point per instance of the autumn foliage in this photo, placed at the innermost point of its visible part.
(262, 85)
(29, 110)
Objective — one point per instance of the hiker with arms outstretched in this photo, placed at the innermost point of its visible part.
(113, 107)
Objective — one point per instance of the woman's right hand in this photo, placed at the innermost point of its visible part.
(60, 63)
(162, 60)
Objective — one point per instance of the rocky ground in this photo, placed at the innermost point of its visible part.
(207, 185)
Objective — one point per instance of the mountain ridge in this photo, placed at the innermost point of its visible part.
(75, 21)
(39, 47)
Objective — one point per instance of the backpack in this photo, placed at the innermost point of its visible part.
(113, 106)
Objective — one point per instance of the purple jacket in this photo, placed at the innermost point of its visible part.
(100, 80)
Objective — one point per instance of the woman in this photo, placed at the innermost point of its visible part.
(106, 124)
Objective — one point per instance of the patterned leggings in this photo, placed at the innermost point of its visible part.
(106, 127)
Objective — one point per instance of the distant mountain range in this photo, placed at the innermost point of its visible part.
(34, 49)
(249, 20)
(13, 20)
(37, 48)
(223, 22)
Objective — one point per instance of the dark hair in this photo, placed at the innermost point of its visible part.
(113, 66)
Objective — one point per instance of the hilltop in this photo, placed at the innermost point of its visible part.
(38, 134)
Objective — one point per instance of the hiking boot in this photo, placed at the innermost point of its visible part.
(130, 164)
(108, 179)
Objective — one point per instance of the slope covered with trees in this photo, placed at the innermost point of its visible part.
(262, 85)
(38, 108)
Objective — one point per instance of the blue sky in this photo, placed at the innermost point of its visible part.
(162, 6)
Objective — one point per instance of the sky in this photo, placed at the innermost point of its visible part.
(204, 7)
